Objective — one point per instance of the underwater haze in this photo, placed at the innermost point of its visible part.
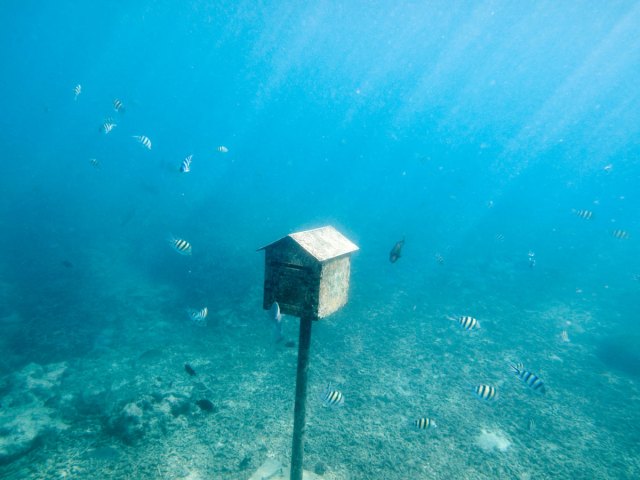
(490, 150)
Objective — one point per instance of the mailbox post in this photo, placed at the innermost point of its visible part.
(307, 273)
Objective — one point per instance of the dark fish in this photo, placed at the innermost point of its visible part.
(67, 263)
(206, 405)
(189, 369)
(396, 251)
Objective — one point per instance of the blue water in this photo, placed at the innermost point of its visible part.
(475, 131)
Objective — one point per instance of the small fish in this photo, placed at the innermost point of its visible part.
(531, 425)
(499, 237)
(181, 246)
(466, 322)
(396, 251)
(118, 106)
(564, 336)
(223, 149)
(190, 370)
(275, 314)
(532, 259)
(186, 164)
(608, 168)
(620, 234)
(144, 140)
(439, 259)
(77, 90)
(108, 125)
(199, 317)
(332, 397)
(94, 162)
(528, 377)
(485, 392)
(424, 423)
(584, 214)
(206, 405)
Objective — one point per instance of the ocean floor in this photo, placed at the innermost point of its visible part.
(127, 408)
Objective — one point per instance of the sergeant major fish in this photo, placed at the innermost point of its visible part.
(584, 214)
(424, 423)
(332, 397)
(531, 379)
(144, 140)
(620, 234)
(186, 164)
(485, 392)
(77, 90)
(108, 125)
(466, 322)
(118, 106)
(199, 317)
(181, 246)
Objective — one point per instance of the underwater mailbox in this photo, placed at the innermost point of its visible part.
(307, 272)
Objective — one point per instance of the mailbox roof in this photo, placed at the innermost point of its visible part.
(322, 243)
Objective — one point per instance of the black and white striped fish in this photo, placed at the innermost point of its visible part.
(531, 379)
(185, 167)
(118, 106)
(466, 322)
(584, 214)
(620, 234)
(199, 317)
(424, 423)
(108, 125)
(77, 90)
(144, 140)
(485, 392)
(181, 246)
(332, 397)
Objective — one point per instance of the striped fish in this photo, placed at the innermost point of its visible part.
(468, 323)
(620, 234)
(485, 392)
(584, 214)
(199, 317)
(439, 259)
(77, 90)
(144, 140)
(528, 377)
(186, 164)
(424, 423)
(223, 149)
(332, 397)
(118, 106)
(108, 125)
(181, 246)
(499, 237)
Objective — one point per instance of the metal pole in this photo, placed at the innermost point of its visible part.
(297, 449)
